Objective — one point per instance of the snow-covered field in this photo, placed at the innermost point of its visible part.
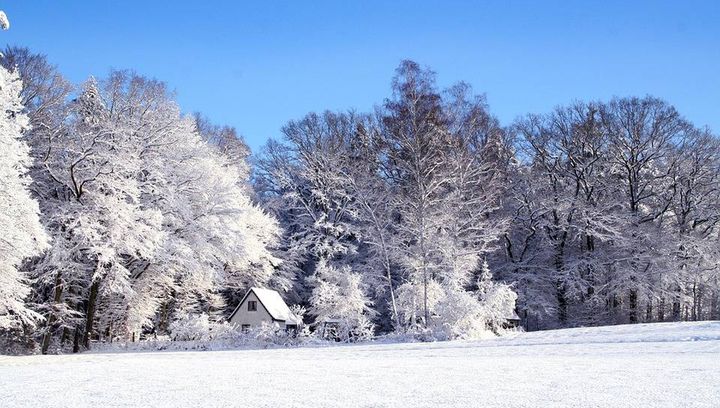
(653, 365)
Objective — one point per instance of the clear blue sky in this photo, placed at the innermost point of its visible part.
(256, 65)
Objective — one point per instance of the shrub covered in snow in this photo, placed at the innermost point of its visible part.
(497, 299)
(456, 313)
(198, 327)
(190, 327)
(272, 334)
(196, 332)
(410, 301)
(340, 304)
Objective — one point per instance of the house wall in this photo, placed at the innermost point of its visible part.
(254, 319)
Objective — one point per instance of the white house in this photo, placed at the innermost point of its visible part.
(264, 306)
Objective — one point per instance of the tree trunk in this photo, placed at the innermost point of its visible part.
(51, 318)
(65, 336)
(693, 315)
(561, 291)
(661, 310)
(423, 255)
(76, 340)
(393, 302)
(632, 300)
(676, 309)
(162, 322)
(386, 262)
(388, 272)
(699, 303)
(90, 313)
(425, 297)
(560, 287)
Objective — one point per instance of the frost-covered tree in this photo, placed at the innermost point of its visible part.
(643, 134)
(564, 209)
(416, 141)
(443, 161)
(477, 164)
(373, 204)
(23, 235)
(97, 221)
(228, 142)
(304, 181)
(694, 218)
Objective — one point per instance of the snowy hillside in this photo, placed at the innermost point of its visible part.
(653, 365)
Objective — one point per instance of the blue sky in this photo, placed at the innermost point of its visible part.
(256, 65)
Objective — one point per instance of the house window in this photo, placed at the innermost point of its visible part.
(245, 328)
(252, 306)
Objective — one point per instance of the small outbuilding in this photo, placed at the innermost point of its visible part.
(260, 306)
(512, 321)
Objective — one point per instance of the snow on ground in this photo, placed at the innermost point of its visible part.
(651, 365)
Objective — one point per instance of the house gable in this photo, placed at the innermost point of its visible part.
(242, 316)
(273, 309)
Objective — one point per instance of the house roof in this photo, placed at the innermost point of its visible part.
(273, 303)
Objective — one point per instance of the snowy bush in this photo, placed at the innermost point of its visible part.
(497, 299)
(410, 302)
(458, 315)
(264, 334)
(341, 307)
(273, 335)
(498, 305)
(192, 327)
(195, 332)
(454, 312)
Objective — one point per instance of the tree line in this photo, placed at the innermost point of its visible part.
(595, 213)
(425, 217)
